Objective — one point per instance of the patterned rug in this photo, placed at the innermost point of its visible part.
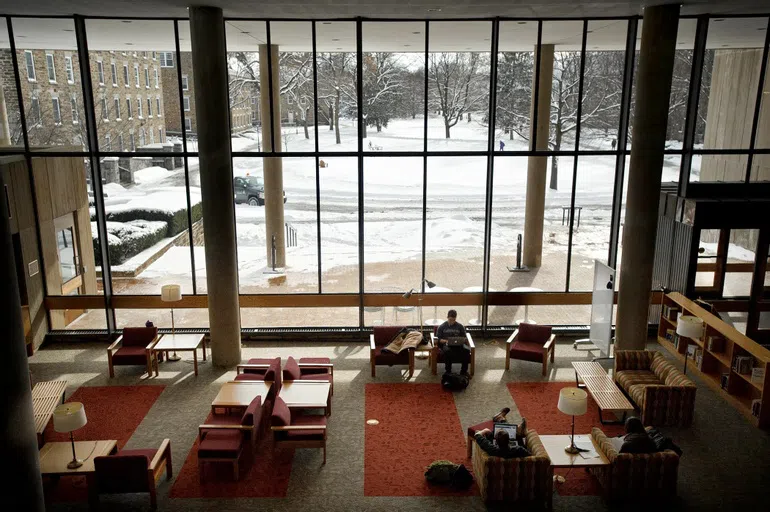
(263, 474)
(113, 412)
(537, 403)
(418, 424)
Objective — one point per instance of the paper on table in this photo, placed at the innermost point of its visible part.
(584, 443)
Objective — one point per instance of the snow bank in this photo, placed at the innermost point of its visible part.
(125, 239)
(151, 175)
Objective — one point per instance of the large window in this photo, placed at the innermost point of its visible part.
(400, 163)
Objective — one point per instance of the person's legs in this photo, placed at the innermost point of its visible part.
(465, 358)
(500, 416)
(447, 353)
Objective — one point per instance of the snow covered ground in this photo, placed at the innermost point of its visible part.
(392, 204)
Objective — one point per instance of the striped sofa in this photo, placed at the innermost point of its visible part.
(663, 394)
(648, 476)
(520, 480)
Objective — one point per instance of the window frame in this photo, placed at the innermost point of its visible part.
(29, 61)
(50, 67)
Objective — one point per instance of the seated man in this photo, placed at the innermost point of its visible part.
(636, 439)
(502, 445)
(453, 329)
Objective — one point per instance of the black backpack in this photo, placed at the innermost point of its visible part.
(454, 381)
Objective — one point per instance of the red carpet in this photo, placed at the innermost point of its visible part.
(264, 474)
(537, 402)
(418, 425)
(113, 412)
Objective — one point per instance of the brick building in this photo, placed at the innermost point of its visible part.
(240, 109)
(128, 98)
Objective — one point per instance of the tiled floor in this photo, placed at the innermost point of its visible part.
(726, 463)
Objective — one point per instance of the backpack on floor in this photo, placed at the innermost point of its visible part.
(454, 381)
(444, 472)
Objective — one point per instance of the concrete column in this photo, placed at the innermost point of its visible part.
(537, 166)
(23, 484)
(207, 32)
(653, 88)
(273, 167)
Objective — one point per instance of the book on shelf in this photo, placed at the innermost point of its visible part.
(675, 341)
(758, 376)
(742, 365)
(672, 313)
(724, 381)
(670, 334)
(698, 358)
(756, 407)
(715, 343)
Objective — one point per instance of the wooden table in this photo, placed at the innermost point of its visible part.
(239, 394)
(46, 396)
(54, 458)
(180, 343)
(307, 394)
(602, 389)
(554, 446)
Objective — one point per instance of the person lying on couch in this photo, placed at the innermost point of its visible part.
(502, 445)
(636, 439)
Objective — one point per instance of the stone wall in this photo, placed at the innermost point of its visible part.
(184, 238)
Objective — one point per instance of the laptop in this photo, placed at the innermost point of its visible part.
(457, 341)
(508, 427)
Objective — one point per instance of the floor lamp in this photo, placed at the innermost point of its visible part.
(408, 294)
(171, 293)
(688, 326)
(574, 402)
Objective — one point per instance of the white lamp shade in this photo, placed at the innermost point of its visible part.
(573, 401)
(689, 326)
(170, 293)
(69, 417)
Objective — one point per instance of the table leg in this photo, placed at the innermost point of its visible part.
(203, 345)
(195, 361)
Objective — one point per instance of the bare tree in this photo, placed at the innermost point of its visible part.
(336, 85)
(514, 92)
(457, 84)
(382, 87)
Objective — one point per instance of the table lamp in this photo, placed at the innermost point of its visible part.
(689, 326)
(573, 401)
(171, 293)
(68, 418)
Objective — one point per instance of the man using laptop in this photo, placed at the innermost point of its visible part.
(452, 345)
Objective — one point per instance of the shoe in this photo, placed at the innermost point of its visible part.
(500, 416)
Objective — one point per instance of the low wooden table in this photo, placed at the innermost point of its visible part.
(180, 343)
(307, 394)
(46, 396)
(239, 394)
(554, 446)
(55, 456)
(602, 389)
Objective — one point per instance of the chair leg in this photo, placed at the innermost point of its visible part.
(371, 363)
(235, 470)
(473, 361)
(153, 498)
(545, 364)
(507, 362)
(553, 351)
(324, 452)
(109, 364)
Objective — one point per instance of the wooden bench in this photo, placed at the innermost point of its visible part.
(602, 389)
(46, 396)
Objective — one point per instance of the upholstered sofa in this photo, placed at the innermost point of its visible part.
(524, 480)
(663, 394)
(648, 476)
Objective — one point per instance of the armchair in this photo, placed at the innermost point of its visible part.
(293, 428)
(519, 480)
(636, 476)
(436, 356)
(379, 339)
(664, 395)
(262, 369)
(248, 423)
(530, 342)
(133, 348)
(323, 372)
(131, 471)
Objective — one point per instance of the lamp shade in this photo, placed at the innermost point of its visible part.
(689, 326)
(170, 293)
(573, 401)
(69, 417)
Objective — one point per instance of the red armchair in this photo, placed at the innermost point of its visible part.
(293, 428)
(317, 366)
(133, 348)
(296, 371)
(131, 471)
(262, 369)
(380, 338)
(530, 342)
(223, 439)
(436, 356)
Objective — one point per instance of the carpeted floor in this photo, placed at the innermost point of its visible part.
(725, 463)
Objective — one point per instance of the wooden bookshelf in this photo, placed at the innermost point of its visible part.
(741, 390)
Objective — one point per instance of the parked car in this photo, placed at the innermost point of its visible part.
(251, 190)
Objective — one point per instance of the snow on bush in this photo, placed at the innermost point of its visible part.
(151, 174)
(169, 206)
(127, 239)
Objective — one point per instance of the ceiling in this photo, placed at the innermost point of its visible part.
(318, 9)
(391, 36)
